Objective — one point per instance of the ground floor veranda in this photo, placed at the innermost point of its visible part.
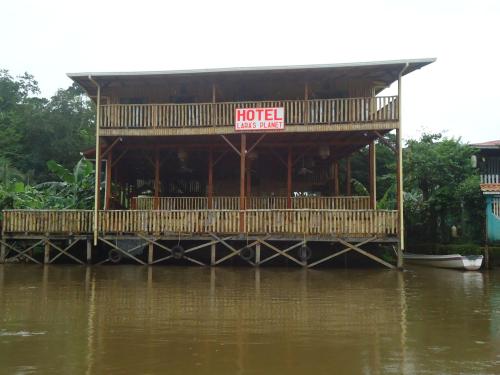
(236, 194)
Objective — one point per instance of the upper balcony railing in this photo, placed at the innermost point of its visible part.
(297, 112)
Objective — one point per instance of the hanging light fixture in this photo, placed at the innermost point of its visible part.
(324, 151)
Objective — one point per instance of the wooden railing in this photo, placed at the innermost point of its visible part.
(277, 221)
(490, 178)
(47, 221)
(256, 203)
(297, 112)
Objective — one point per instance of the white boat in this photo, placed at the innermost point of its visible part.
(454, 261)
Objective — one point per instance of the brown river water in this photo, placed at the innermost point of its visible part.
(187, 320)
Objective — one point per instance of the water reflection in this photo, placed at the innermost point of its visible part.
(221, 320)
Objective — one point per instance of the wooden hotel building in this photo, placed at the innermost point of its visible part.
(245, 165)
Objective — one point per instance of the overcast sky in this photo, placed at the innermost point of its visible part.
(460, 93)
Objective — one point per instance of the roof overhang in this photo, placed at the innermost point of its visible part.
(386, 72)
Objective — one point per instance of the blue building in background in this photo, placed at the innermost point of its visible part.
(488, 162)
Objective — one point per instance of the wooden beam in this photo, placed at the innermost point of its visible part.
(336, 187)
(230, 144)
(109, 179)
(210, 182)
(256, 143)
(111, 146)
(373, 175)
(156, 204)
(348, 177)
(385, 142)
(289, 180)
(97, 176)
(242, 181)
(115, 161)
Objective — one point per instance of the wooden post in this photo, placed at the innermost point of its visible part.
(46, 253)
(242, 181)
(336, 187)
(150, 253)
(373, 175)
(157, 179)
(257, 254)
(89, 251)
(212, 254)
(249, 178)
(97, 161)
(3, 252)
(210, 189)
(306, 104)
(399, 176)
(107, 192)
(289, 181)
(348, 177)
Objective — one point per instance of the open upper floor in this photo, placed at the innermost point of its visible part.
(314, 98)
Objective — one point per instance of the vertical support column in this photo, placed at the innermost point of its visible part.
(289, 182)
(89, 251)
(400, 202)
(243, 149)
(210, 188)
(306, 104)
(249, 178)
(257, 254)
(336, 187)
(150, 253)
(3, 252)
(157, 179)
(46, 252)
(348, 189)
(212, 254)
(107, 192)
(97, 162)
(373, 175)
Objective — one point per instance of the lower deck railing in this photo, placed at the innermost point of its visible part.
(157, 222)
(251, 203)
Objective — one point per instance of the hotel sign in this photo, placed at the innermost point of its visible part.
(259, 119)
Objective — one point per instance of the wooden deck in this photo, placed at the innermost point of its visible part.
(319, 112)
(306, 222)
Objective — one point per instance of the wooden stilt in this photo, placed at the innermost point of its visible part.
(150, 253)
(289, 180)
(3, 252)
(348, 177)
(210, 187)
(373, 175)
(257, 254)
(89, 251)
(46, 253)
(242, 181)
(213, 254)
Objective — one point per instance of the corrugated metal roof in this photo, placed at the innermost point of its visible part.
(423, 62)
(384, 71)
(488, 144)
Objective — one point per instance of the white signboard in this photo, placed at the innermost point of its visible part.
(259, 119)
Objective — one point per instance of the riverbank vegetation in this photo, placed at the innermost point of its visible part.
(41, 165)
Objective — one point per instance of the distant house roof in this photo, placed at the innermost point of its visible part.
(490, 188)
(383, 71)
(487, 145)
